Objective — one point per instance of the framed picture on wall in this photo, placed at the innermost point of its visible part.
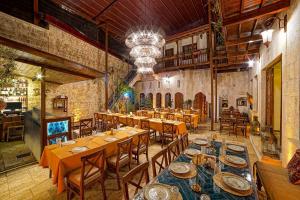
(242, 101)
(224, 103)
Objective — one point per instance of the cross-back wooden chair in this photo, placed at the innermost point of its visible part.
(168, 133)
(184, 141)
(241, 124)
(104, 122)
(90, 172)
(160, 160)
(130, 121)
(187, 119)
(145, 113)
(141, 147)
(121, 159)
(86, 127)
(226, 123)
(128, 179)
(170, 116)
(98, 120)
(115, 121)
(145, 124)
(173, 150)
(156, 115)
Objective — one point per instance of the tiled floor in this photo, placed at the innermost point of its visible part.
(32, 182)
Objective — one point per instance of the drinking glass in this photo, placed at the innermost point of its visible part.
(58, 142)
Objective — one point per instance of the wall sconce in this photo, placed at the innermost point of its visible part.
(268, 33)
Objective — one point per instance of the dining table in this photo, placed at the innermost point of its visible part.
(61, 159)
(205, 176)
(157, 125)
(194, 118)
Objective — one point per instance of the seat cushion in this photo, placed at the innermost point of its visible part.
(276, 182)
(141, 150)
(75, 176)
(112, 161)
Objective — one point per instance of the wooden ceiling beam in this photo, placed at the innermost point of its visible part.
(258, 13)
(244, 40)
(109, 6)
(227, 65)
(187, 33)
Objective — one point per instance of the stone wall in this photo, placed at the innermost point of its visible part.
(287, 45)
(189, 82)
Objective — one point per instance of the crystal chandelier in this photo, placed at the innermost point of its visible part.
(145, 43)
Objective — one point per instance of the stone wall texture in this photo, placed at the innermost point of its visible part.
(286, 44)
(230, 85)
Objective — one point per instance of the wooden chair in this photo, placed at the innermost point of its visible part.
(168, 132)
(160, 160)
(130, 121)
(12, 122)
(145, 124)
(241, 125)
(173, 150)
(184, 141)
(156, 115)
(170, 116)
(145, 113)
(226, 123)
(91, 172)
(104, 122)
(86, 127)
(121, 159)
(98, 120)
(142, 147)
(115, 121)
(128, 178)
(187, 119)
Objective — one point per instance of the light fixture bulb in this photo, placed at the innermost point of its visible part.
(250, 63)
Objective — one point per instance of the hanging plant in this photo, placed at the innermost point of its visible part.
(7, 66)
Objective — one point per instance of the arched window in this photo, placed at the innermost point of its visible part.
(150, 96)
(158, 100)
(168, 100)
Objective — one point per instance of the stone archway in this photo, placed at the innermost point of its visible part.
(168, 100)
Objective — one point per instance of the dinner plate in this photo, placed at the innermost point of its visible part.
(110, 139)
(68, 142)
(122, 129)
(79, 149)
(236, 148)
(157, 191)
(201, 142)
(192, 152)
(236, 183)
(179, 167)
(235, 160)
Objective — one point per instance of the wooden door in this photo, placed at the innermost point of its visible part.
(269, 96)
(168, 100)
(179, 100)
(158, 100)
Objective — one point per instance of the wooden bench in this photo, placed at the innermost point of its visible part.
(275, 181)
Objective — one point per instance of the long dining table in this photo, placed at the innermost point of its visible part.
(61, 160)
(204, 177)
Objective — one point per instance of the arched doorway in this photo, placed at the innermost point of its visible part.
(179, 100)
(168, 100)
(142, 99)
(200, 103)
(158, 100)
(150, 96)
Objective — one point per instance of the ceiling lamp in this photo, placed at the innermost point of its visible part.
(145, 43)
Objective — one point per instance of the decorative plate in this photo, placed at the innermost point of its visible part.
(236, 183)
(192, 152)
(68, 142)
(79, 149)
(180, 167)
(201, 142)
(235, 160)
(235, 148)
(110, 139)
(157, 191)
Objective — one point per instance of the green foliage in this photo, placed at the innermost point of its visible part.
(148, 103)
(7, 66)
(187, 104)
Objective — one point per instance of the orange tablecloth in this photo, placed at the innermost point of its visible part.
(195, 118)
(61, 160)
(156, 124)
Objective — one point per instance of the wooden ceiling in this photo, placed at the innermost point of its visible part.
(171, 15)
(243, 21)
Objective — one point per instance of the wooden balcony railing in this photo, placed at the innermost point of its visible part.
(183, 60)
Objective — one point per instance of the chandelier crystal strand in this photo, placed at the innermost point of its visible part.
(145, 43)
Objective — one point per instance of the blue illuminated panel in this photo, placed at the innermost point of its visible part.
(57, 127)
